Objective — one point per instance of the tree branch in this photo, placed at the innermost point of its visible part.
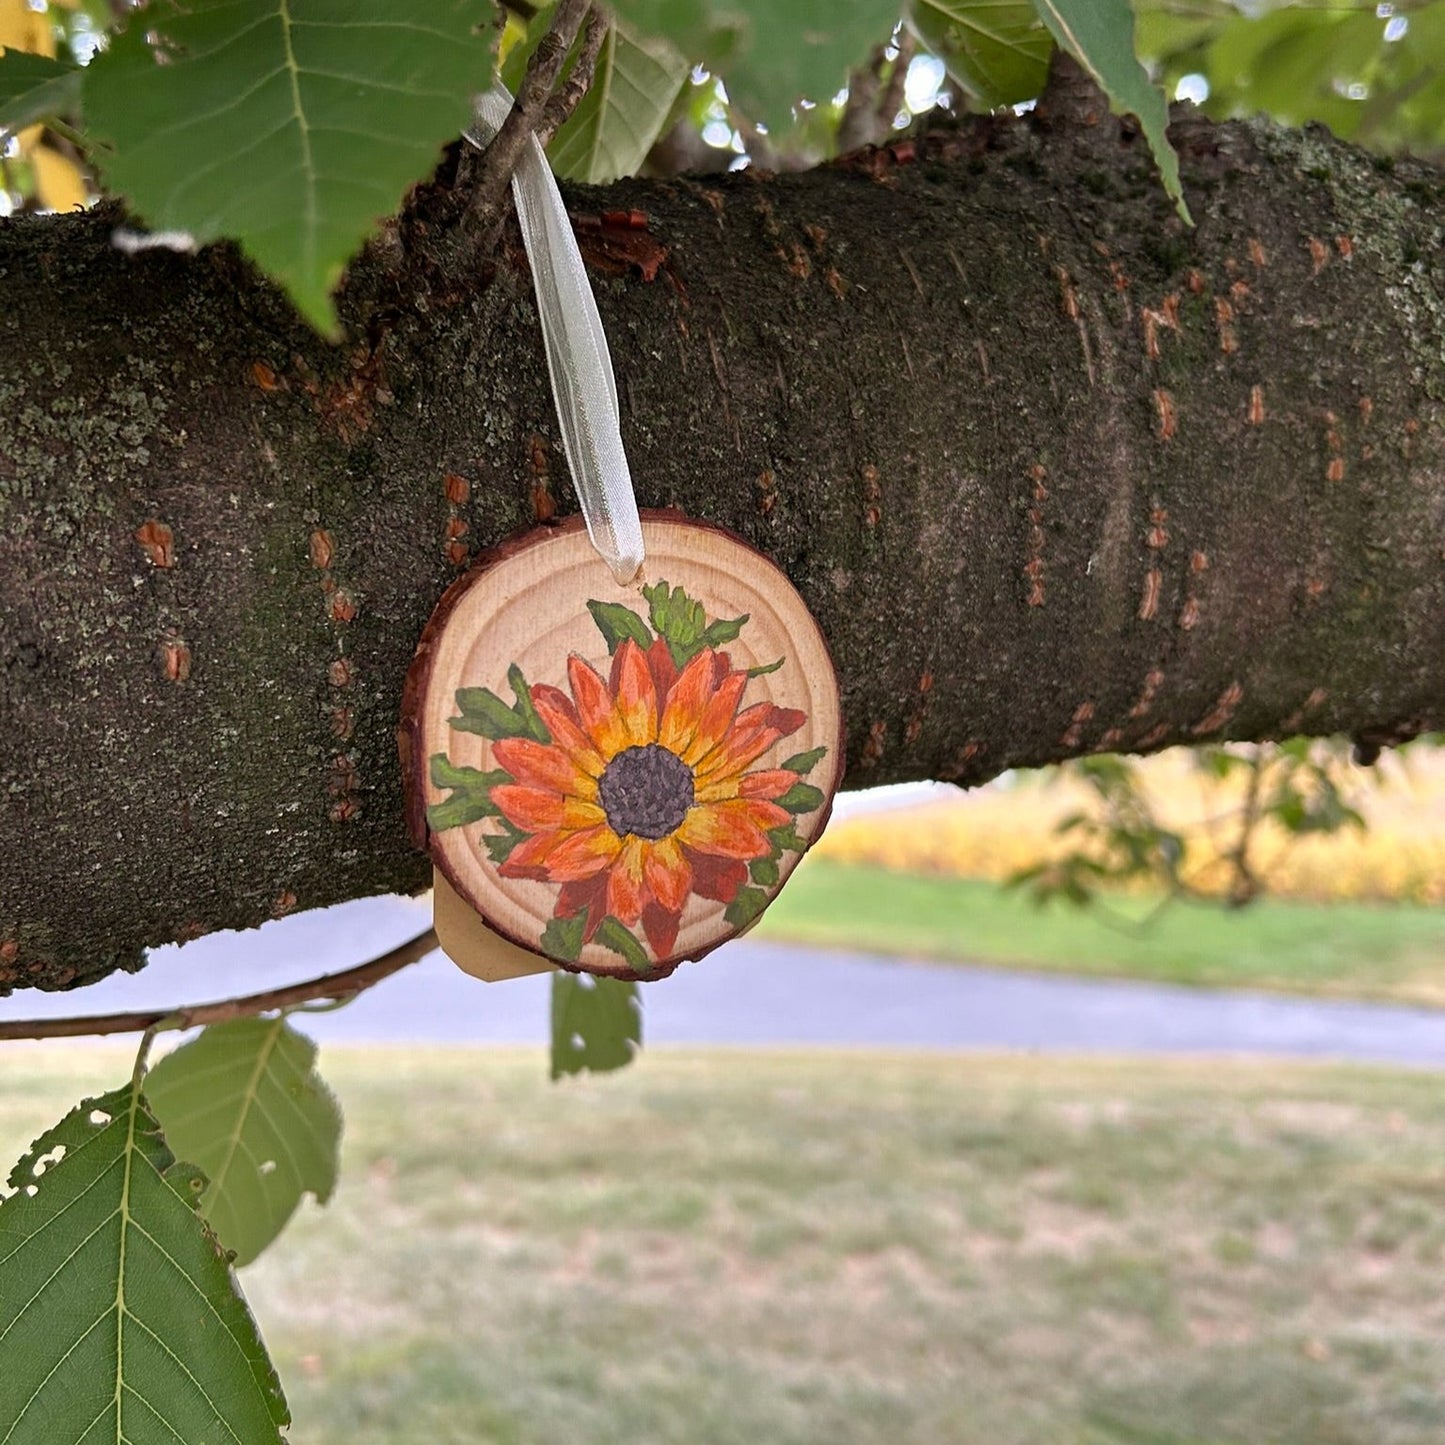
(337, 987)
(560, 106)
(1055, 475)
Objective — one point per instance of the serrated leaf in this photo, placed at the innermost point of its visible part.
(290, 125)
(746, 907)
(996, 51)
(244, 1102)
(616, 122)
(770, 54)
(620, 939)
(724, 630)
(120, 1318)
(483, 712)
(617, 623)
(35, 87)
(471, 798)
(500, 845)
(787, 839)
(1099, 34)
(596, 1023)
(764, 871)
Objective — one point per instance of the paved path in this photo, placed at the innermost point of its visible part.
(765, 993)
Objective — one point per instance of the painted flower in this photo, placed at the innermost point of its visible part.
(647, 792)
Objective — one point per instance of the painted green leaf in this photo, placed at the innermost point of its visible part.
(290, 125)
(616, 122)
(35, 87)
(620, 939)
(471, 798)
(500, 845)
(596, 1023)
(120, 1318)
(725, 630)
(770, 54)
(786, 838)
(805, 762)
(244, 1102)
(677, 619)
(764, 670)
(746, 907)
(996, 51)
(764, 871)
(1099, 34)
(801, 798)
(536, 728)
(562, 937)
(617, 623)
(483, 712)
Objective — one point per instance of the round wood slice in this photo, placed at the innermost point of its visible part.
(620, 778)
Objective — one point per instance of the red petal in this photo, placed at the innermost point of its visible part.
(540, 765)
(555, 709)
(664, 672)
(624, 883)
(582, 854)
(660, 926)
(716, 878)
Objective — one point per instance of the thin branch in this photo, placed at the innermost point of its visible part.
(892, 101)
(499, 160)
(579, 79)
(337, 986)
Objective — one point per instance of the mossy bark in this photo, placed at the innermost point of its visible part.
(1055, 475)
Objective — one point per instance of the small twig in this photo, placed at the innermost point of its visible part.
(499, 160)
(564, 101)
(344, 985)
(892, 100)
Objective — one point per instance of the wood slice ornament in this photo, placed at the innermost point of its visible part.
(618, 778)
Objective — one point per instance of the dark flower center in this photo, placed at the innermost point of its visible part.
(646, 791)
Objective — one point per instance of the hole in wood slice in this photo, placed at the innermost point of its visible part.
(620, 778)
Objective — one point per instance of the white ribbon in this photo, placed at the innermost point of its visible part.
(577, 358)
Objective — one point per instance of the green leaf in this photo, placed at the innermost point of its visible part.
(289, 125)
(616, 122)
(996, 51)
(35, 87)
(746, 908)
(596, 1023)
(770, 54)
(1099, 34)
(805, 762)
(482, 711)
(525, 708)
(562, 937)
(765, 670)
(801, 798)
(500, 845)
(764, 871)
(120, 1318)
(617, 623)
(724, 630)
(244, 1102)
(620, 939)
(471, 798)
(787, 839)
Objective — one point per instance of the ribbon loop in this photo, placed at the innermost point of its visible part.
(578, 362)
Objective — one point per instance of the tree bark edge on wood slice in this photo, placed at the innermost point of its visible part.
(620, 778)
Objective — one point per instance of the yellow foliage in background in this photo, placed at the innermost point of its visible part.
(997, 830)
(59, 182)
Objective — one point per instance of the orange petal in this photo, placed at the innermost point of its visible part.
(771, 783)
(635, 694)
(555, 709)
(734, 829)
(544, 765)
(596, 708)
(534, 810)
(529, 858)
(668, 874)
(686, 702)
(624, 883)
(580, 855)
(717, 717)
(756, 730)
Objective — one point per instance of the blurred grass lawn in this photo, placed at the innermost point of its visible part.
(789, 1248)
(1359, 950)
